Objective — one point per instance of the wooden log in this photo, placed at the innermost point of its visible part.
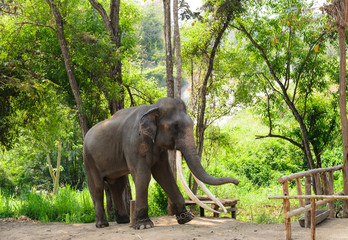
(299, 191)
(308, 191)
(331, 192)
(286, 205)
(328, 197)
(313, 219)
(320, 216)
(308, 173)
(132, 212)
(325, 183)
(318, 184)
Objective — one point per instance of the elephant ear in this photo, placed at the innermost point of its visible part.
(147, 125)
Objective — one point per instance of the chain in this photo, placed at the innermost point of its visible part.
(184, 215)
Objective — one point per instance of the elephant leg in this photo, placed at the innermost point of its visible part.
(96, 189)
(163, 175)
(142, 179)
(117, 190)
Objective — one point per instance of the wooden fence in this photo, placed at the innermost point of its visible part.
(323, 185)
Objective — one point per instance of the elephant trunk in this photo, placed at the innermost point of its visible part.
(193, 161)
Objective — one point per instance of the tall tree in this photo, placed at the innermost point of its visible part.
(291, 69)
(69, 65)
(177, 45)
(339, 11)
(168, 47)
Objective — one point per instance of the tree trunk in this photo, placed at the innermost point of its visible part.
(177, 44)
(170, 82)
(168, 45)
(69, 66)
(343, 106)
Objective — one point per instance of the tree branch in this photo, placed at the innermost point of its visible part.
(281, 137)
(36, 24)
(302, 67)
(287, 76)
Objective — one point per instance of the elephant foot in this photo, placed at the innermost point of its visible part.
(102, 224)
(184, 217)
(143, 224)
(122, 219)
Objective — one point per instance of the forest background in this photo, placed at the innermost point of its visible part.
(260, 79)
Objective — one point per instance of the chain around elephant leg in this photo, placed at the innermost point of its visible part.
(142, 220)
(184, 217)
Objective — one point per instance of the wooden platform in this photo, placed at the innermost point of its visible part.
(231, 203)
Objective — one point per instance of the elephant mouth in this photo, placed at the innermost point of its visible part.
(188, 191)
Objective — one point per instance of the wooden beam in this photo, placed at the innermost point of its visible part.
(313, 219)
(308, 191)
(331, 192)
(308, 173)
(286, 205)
(299, 191)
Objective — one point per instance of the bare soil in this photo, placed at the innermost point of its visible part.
(167, 228)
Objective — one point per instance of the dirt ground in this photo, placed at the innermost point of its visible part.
(167, 228)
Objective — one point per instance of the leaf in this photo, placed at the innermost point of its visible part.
(316, 49)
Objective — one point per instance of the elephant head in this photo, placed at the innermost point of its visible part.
(169, 126)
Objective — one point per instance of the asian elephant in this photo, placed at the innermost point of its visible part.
(136, 140)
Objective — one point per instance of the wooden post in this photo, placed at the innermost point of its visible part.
(331, 192)
(132, 212)
(308, 191)
(313, 219)
(325, 183)
(286, 205)
(299, 191)
(318, 184)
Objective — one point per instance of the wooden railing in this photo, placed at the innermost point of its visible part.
(324, 186)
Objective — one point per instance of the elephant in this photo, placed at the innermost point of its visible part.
(136, 141)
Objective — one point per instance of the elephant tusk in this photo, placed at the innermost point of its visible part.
(185, 186)
(209, 194)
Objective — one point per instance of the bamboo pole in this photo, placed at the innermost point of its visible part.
(325, 183)
(329, 197)
(299, 191)
(308, 173)
(286, 205)
(318, 184)
(313, 219)
(308, 191)
(331, 192)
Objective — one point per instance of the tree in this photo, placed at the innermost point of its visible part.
(69, 65)
(205, 44)
(291, 46)
(168, 47)
(177, 45)
(338, 10)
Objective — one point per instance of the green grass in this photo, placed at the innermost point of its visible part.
(69, 205)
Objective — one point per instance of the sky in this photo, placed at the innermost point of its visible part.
(194, 4)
